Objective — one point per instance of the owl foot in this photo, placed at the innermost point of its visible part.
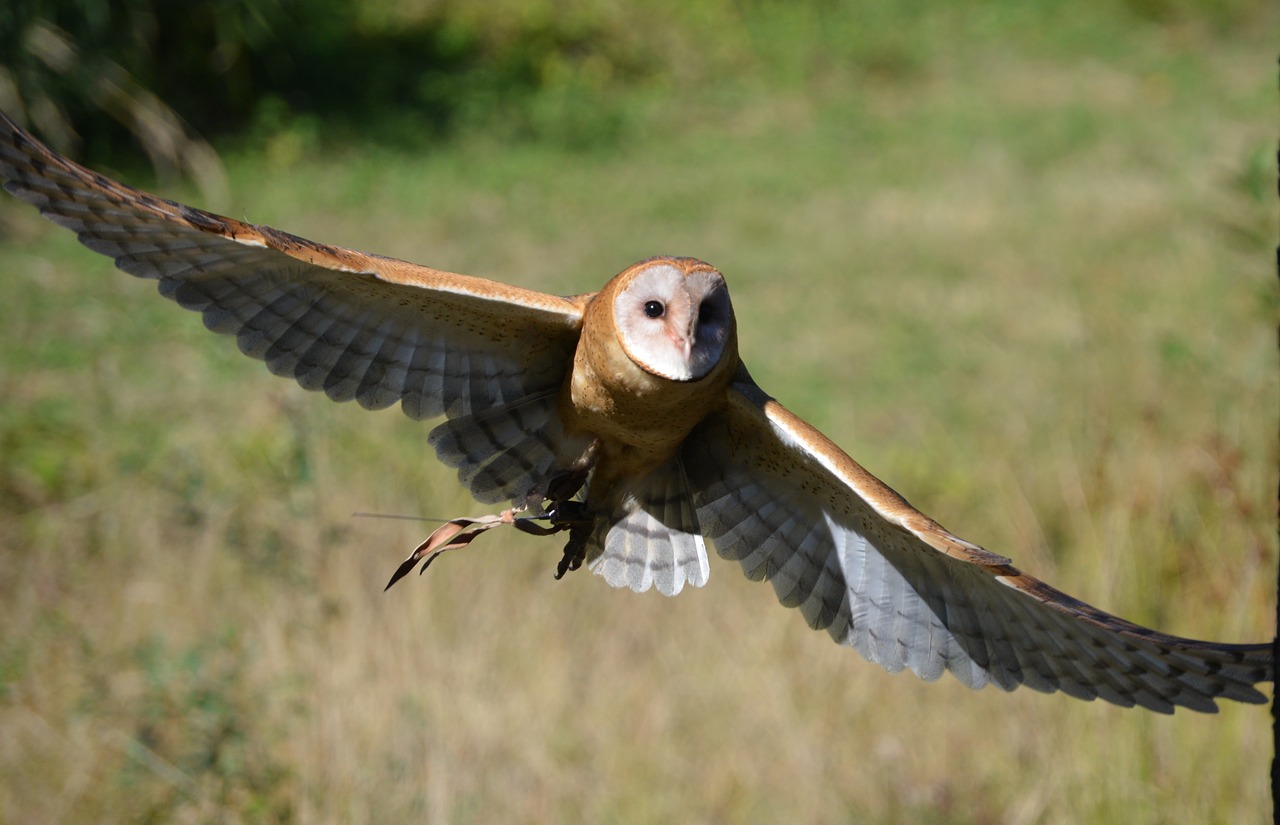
(574, 517)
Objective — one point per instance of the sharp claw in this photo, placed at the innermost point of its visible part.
(575, 550)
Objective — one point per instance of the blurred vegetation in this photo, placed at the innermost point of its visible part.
(420, 69)
(1015, 257)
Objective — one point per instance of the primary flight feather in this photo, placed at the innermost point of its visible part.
(627, 417)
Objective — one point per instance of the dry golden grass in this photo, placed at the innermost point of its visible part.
(1036, 299)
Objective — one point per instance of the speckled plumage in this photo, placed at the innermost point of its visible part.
(536, 389)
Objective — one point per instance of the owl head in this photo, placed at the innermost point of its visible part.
(673, 317)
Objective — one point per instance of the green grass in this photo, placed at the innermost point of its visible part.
(1019, 266)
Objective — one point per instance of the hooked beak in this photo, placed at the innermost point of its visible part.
(684, 341)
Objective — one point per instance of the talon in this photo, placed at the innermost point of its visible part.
(575, 550)
(575, 553)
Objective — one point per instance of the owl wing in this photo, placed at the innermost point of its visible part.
(773, 493)
(357, 326)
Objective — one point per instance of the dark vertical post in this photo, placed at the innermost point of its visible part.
(1275, 642)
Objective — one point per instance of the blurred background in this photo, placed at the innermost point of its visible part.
(1016, 258)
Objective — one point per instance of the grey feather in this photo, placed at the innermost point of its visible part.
(351, 334)
(650, 537)
(509, 452)
(900, 603)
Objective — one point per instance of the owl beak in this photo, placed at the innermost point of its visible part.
(684, 341)
(682, 335)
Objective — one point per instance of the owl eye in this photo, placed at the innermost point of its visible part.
(654, 309)
(706, 312)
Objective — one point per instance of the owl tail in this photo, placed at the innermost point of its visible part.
(509, 452)
(652, 536)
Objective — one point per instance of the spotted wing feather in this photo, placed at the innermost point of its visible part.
(859, 562)
(353, 325)
(499, 450)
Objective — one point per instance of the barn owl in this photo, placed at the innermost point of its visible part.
(626, 416)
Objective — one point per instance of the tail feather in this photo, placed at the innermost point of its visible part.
(652, 537)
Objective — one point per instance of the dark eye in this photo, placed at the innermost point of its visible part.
(654, 309)
(706, 312)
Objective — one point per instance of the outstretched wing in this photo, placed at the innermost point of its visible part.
(357, 326)
(776, 495)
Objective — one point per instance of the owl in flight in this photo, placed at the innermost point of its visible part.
(626, 417)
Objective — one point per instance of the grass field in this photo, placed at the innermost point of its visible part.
(1021, 270)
